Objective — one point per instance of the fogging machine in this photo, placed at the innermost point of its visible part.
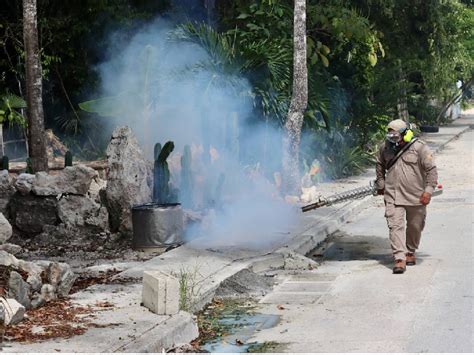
(354, 194)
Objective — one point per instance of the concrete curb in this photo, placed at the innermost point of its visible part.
(178, 329)
(311, 238)
(456, 136)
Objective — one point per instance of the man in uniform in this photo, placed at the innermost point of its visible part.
(406, 176)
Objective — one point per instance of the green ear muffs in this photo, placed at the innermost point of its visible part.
(408, 136)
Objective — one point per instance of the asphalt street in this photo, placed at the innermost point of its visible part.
(353, 302)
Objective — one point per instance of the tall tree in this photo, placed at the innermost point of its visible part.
(298, 104)
(34, 89)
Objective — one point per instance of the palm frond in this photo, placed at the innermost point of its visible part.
(10, 101)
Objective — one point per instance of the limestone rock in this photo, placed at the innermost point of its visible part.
(7, 189)
(81, 211)
(7, 259)
(11, 248)
(5, 229)
(61, 277)
(71, 180)
(47, 292)
(55, 271)
(35, 282)
(99, 220)
(97, 185)
(127, 179)
(66, 282)
(24, 183)
(31, 268)
(13, 311)
(19, 289)
(37, 302)
(30, 213)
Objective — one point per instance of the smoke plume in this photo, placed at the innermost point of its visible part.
(170, 90)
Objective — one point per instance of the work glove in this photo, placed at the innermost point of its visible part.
(425, 198)
(380, 191)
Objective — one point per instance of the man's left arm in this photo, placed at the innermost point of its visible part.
(431, 174)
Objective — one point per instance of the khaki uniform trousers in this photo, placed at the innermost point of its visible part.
(402, 241)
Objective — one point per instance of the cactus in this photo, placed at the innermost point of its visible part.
(157, 151)
(161, 174)
(220, 184)
(5, 163)
(68, 159)
(232, 135)
(186, 186)
(206, 143)
(29, 166)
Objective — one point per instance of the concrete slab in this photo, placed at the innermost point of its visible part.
(313, 277)
(291, 298)
(304, 286)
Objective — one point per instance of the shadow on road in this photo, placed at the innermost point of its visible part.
(341, 246)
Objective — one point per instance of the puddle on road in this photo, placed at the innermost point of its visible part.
(344, 247)
(231, 324)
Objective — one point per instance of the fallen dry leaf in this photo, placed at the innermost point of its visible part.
(104, 304)
(58, 319)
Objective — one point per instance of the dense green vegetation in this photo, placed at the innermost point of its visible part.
(365, 57)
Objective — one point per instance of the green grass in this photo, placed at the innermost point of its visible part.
(266, 347)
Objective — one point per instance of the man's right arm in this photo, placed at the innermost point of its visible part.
(380, 170)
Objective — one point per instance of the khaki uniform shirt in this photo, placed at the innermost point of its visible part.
(413, 173)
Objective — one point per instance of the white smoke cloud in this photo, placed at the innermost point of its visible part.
(154, 79)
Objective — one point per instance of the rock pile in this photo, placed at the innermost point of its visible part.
(32, 284)
(65, 199)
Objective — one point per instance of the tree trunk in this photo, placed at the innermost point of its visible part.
(2, 146)
(299, 102)
(34, 89)
(453, 99)
(402, 106)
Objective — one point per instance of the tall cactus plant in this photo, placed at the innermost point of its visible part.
(218, 193)
(232, 135)
(29, 166)
(161, 174)
(186, 186)
(68, 159)
(5, 163)
(157, 151)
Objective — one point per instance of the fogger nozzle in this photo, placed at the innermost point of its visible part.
(354, 194)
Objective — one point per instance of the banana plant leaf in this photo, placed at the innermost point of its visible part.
(124, 104)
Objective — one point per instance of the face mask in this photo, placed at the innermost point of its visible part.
(394, 137)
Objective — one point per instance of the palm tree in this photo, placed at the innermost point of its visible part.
(298, 105)
(34, 89)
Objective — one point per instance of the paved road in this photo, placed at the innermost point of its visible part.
(353, 303)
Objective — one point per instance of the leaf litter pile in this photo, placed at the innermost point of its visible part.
(85, 280)
(61, 318)
(57, 319)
